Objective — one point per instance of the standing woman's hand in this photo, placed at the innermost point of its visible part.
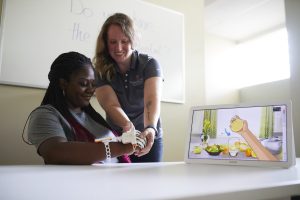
(149, 134)
(127, 127)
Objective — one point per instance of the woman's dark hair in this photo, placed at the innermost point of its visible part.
(63, 67)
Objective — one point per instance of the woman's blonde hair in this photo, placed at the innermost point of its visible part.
(103, 62)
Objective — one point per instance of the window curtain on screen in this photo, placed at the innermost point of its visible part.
(266, 122)
(211, 115)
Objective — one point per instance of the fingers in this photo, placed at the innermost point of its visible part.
(141, 142)
(145, 150)
(149, 143)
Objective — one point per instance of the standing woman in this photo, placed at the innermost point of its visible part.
(129, 85)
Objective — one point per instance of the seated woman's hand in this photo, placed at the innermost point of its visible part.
(135, 138)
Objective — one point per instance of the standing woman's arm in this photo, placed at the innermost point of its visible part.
(108, 99)
(152, 97)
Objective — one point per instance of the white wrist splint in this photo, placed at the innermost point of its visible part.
(132, 136)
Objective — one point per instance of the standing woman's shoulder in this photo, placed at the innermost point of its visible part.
(150, 64)
(144, 58)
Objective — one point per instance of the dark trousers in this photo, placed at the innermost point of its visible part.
(155, 154)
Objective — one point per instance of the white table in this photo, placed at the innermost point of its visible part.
(169, 180)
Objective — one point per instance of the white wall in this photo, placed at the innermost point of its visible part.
(15, 105)
(292, 8)
(218, 83)
(175, 116)
(279, 90)
(274, 91)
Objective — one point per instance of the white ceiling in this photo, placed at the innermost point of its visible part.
(240, 20)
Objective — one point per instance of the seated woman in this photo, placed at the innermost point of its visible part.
(65, 126)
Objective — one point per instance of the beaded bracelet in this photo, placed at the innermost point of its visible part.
(107, 150)
(106, 141)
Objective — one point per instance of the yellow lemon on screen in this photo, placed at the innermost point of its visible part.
(236, 125)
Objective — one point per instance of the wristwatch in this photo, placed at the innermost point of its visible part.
(153, 127)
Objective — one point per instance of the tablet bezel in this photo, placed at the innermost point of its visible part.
(291, 159)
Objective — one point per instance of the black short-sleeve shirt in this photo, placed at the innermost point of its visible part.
(129, 88)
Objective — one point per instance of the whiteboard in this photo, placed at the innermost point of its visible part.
(35, 32)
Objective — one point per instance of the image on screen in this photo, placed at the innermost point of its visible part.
(243, 133)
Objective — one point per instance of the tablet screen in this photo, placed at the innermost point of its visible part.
(251, 133)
